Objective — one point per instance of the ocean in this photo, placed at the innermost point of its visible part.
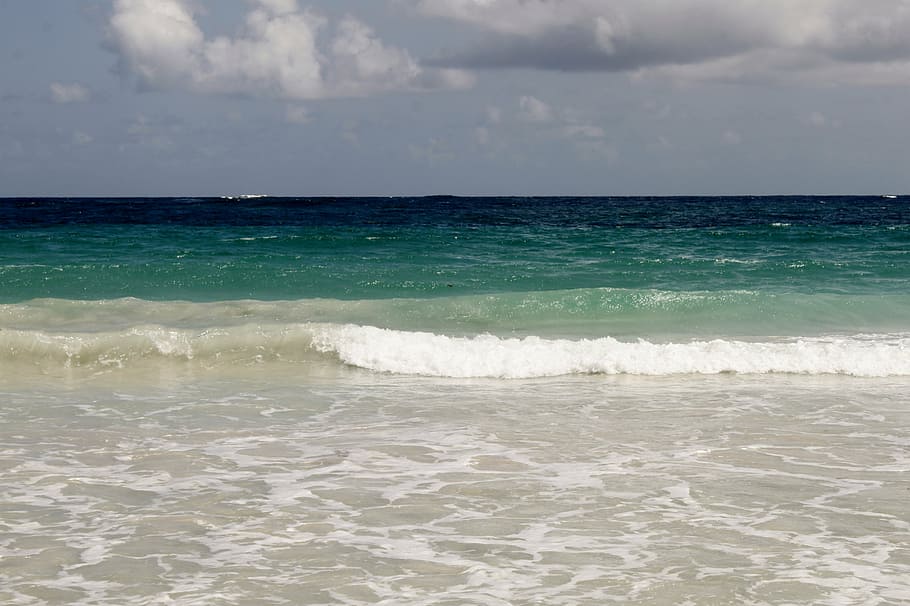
(451, 401)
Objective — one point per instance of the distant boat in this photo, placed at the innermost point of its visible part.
(889, 196)
(245, 197)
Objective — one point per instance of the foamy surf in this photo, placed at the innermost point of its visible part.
(489, 356)
(436, 355)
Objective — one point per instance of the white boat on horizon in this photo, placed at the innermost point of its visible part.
(245, 197)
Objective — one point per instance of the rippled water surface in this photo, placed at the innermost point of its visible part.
(455, 401)
(375, 489)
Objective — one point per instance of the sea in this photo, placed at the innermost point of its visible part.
(453, 401)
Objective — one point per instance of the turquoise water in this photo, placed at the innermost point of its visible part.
(430, 401)
(377, 248)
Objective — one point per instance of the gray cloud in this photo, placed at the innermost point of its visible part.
(583, 48)
(877, 31)
(742, 39)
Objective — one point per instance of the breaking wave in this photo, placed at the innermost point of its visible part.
(489, 356)
(429, 354)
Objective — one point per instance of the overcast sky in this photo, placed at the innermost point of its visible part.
(409, 97)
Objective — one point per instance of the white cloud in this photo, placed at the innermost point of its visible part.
(280, 52)
(688, 38)
(69, 93)
(82, 138)
(363, 63)
(158, 40)
(534, 110)
(277, 7)
(586, 131)
(277, 57)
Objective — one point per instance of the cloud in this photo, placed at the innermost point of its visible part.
(278, 7)
(281, 52)
(69, 93)
(534, 110)
(489, 123)
(586, 131)
(564, 124)
(82, 138)
(493, 115)
(819, 120)
(156, 133)
(700, 38)
(297, 114)
(732, 137)
(434, 153)
(158, 40)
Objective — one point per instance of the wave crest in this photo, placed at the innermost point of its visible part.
(435, 355)
(209, 347)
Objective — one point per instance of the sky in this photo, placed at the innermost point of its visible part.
(466, 97)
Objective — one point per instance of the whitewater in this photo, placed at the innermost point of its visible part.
(428, 354)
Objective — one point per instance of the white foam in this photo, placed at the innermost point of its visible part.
(420, 353)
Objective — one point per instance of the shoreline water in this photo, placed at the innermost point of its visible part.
(362, 488)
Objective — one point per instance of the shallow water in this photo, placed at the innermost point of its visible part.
(378, 489)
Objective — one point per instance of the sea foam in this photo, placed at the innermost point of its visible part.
(490, 356)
